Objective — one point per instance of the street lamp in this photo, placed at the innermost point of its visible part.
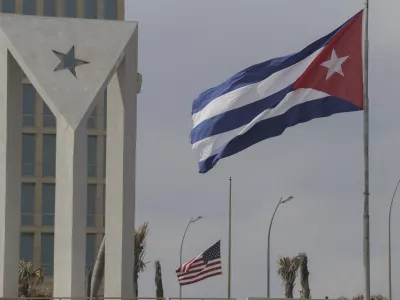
(390, 245)
(281, 201)
(192, 220)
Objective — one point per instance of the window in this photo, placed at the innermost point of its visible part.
(27, 203)
(49, 155)
(90, 9)
(48, 118)
(70, 8)
(8, 6)
(91, 122)
(92, 155)
(48, 203)
(105, 156)
(105, 108)
(110, 11)
(47, 253)
(28, 154)
(104, 204)
(29, 7)
(28, 105)
(90, 250)
(26, 247)
(49, 8)
(91, 205)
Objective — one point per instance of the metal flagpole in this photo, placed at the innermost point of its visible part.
(390, 244)
(230, 237)
(366, 244)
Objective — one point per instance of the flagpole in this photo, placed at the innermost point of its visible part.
(230, 237)
(366, 244)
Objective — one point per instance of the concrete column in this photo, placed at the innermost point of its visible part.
(10, 171)
(120, 178)
(70, 210)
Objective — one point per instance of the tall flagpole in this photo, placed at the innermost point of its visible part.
(230, 237)
(366, 244)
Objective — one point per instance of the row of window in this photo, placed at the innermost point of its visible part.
(49, 155)
(48, 204)
(47, 250)
(70, 9)
(29, 110)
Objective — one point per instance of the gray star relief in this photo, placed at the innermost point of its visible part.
(69, 61)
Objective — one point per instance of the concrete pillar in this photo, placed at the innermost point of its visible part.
(10, 171)
(120, 177)
(70, 210)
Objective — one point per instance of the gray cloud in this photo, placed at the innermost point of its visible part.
(189, 46)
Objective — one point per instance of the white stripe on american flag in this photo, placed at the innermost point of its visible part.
(198, 270)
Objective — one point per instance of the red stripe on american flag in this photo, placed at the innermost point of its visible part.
(200, 271)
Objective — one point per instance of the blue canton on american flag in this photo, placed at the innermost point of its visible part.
(205, 265)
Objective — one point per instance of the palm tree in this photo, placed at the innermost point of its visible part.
(139, 253)
(158, 281)
(304, 273)
(30, 281)
(288, 272)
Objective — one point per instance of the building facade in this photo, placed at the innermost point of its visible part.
(39, 145)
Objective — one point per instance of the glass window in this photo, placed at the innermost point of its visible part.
(26, 247)
(90, 9)
(47, 253)
(27, 203)
(70, 8)
(90, 250)
(111, 11)
(49, 8)
(91, 122)
(8, 6)
(104, 205)
(91, 204)
(92, 155)
(28, 105)
(105, 109)
(48, 118)
(49, 155)
(48, 203)
(29, 7)
(105, 156)
(28, 154)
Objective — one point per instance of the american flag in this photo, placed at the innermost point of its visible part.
(205, 265)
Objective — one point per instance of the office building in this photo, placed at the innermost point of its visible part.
(39, 142)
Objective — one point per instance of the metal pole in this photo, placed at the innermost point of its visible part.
(390, 244)
(180, 252)
(230, 237)
(268, 246)
(268, 249)
(366, 244)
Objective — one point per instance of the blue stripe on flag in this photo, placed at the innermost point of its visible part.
(273, 127)
(260, 72)
(235, 118)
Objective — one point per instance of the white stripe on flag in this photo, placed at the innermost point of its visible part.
(254, 92)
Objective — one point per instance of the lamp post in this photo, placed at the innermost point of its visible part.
(192, 220)
(390, 245)
(281, 201)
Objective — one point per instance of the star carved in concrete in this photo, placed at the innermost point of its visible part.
(68, 61)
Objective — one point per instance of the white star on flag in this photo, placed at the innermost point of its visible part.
(334, 65)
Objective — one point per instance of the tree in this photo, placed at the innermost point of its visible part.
(140, 238)
(158, 281)
(30, 281)
(287, 270)
(304, 273)
(361, 297)
(140, 251)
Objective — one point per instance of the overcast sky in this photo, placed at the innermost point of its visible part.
(189, 46)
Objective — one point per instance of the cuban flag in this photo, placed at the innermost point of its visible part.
(260, 102)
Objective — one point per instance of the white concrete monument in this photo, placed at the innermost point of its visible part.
(70, 62)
